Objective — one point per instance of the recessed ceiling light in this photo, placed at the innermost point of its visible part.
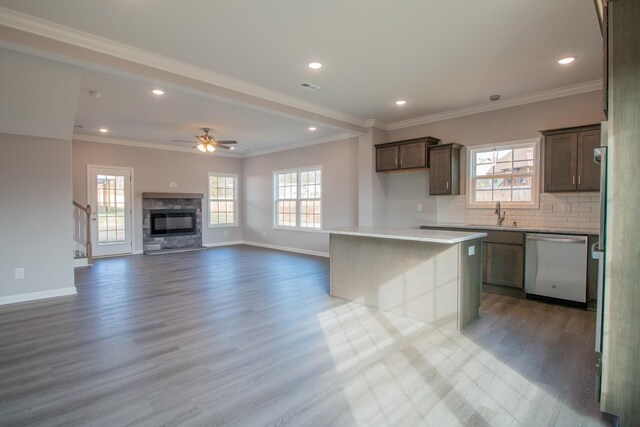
(315, 65)
(401, 102)
(312, 128)
(103, 130)
(567, 60)
(232, 148)
(158, 92)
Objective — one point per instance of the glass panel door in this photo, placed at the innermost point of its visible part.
(109, 195)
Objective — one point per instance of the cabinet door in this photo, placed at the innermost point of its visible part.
(413, 155)
(386, 158)
(440, 171)
(560, 162)
(505, 265)
(588, 170)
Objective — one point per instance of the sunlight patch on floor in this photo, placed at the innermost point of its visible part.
(400, 371)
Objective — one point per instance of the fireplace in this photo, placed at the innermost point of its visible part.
(173, 222)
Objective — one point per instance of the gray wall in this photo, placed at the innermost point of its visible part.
(339, 161)
(153, 170)
(38, 96)
(38, 99)
(35, 215)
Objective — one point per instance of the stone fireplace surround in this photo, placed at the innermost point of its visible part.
(157, 244)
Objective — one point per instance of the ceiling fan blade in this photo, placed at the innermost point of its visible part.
(201, 138)
(179, 140)
(224, 147)
(227, 142)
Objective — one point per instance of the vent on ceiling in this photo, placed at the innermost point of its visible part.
(309, 86)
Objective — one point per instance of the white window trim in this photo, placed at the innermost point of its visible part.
(535, 183)
(274, 211)
(235, 200)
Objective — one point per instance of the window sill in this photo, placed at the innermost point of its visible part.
(305, 230)
(223, 225)
(505, 206)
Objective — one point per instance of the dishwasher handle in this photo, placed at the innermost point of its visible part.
(557, 239)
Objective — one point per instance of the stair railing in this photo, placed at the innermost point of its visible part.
(82, 232)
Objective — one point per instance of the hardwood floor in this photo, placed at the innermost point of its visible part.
(248, 336)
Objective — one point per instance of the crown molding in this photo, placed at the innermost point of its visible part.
(141, 144)
(47, 29)
(318, 141)
(507, 103)
(375, 123)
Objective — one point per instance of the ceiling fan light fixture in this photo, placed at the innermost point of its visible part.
(202, 147)
(211, 148)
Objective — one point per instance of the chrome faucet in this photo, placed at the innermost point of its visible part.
(501, 214)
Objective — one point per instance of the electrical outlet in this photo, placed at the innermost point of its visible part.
(173, 185)
(472, 250)
(419, 207)
(226, 233)
(566, 208)
(546, 208)
(19, 273)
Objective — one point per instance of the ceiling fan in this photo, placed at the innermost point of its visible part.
(207, 143)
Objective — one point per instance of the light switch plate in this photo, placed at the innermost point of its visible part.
(472, 250)
(173, 185)
(19, 273)
(419, 207)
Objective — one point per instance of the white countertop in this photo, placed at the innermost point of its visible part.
(428, 236)
(511, 228)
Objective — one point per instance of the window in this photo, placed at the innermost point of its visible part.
(506, 172)
(298, 200)
(223, 197)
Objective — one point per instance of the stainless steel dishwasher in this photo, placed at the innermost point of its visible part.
(556, 266)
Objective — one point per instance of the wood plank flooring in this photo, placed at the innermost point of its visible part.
(248, 336)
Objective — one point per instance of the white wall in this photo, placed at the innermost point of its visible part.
(403, 191)
(153, 171)
(35, 218)
(339, 160)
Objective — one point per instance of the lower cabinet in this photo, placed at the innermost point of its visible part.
(504, 265)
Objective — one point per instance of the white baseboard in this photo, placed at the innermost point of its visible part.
(287, 249)
(216, 244)
(31, 296)
(137, 252)
(81, 262)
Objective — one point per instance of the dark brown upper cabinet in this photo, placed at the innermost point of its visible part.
(402, 155)
(568, 159)
(444, 169)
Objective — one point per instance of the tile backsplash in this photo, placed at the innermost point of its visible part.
(561, 211)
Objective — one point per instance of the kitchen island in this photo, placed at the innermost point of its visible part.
(431, 275)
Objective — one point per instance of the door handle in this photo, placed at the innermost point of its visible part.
(556, 239)
(447, 185)
(573, 180)
(578, 179)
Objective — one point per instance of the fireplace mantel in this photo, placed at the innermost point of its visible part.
(172, 195)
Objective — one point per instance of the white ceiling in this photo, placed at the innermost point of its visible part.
(438, 55)
(131, 112)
